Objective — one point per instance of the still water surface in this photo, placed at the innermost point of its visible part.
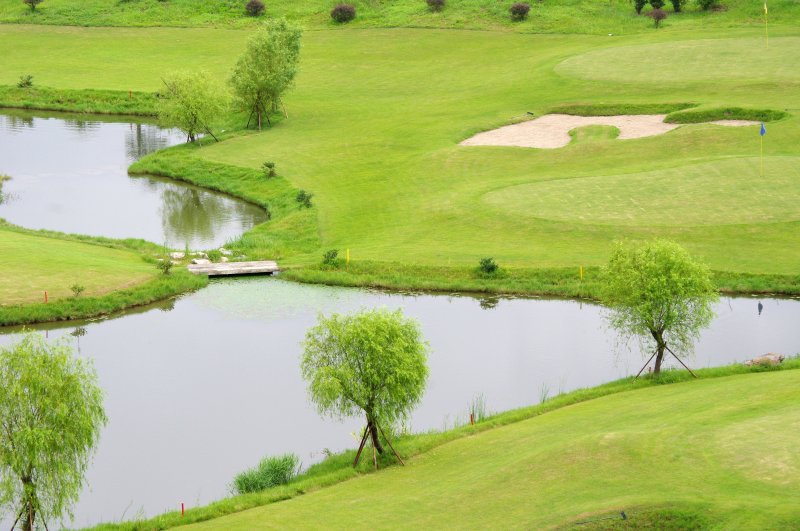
(202, 387)
(205, 386)
(69, 174)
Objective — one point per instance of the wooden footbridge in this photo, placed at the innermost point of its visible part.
(234, 268)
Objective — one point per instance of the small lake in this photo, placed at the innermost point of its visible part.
(69, 174)
(200, 388)
(203, 386)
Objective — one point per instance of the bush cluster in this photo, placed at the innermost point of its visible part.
(254, 8)
(519, 10)
(270, 472)
(269, 169)
(304, 198)
(705, 5)
(435, 5)
(488, 266)
(657, 15)
(331, 257)
(343, 13)
(25, 81)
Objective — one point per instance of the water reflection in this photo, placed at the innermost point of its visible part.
(81, 184)
(210, 384)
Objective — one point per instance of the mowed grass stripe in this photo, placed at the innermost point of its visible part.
(730, 191)
(669, 445)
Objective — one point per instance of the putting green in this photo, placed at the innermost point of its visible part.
(713, 193)
(681, 62)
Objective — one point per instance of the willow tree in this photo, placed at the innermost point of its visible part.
(373, 363)
(267, 69)
(51, 414)
(192, 102)
(660, 295)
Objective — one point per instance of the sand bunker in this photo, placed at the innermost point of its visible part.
(552, 130)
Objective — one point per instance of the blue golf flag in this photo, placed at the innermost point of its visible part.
(763, 130)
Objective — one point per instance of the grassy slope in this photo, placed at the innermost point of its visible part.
(33, 264)
(377, 115)
(562, 16)
(114, 273)
(723, 448)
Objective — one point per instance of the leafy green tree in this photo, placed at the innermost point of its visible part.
(192, 102)
(372, 363)
(51, 414)
(660, 295)
(267, 68)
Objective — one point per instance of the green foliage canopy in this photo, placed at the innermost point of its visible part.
(267, 68)
(373, 362)
(658, 294)
(51, 414)
(192, 102)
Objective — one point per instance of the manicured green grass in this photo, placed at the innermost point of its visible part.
(33, 264)
(114, 273)
(338, 468)
(90, 101)
(563, 16)
(377, 115)
(726, 444)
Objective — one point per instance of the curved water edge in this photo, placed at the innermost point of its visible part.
(69, 174)
(203, 386)
(214, 384)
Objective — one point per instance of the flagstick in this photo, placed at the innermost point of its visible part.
(766, 23)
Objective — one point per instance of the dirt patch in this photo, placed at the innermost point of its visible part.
(552, 130)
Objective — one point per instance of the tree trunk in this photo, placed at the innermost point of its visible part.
(660, 346)
(376, 441)
(29, 505)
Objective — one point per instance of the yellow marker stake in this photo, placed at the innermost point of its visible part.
(347, 256)
(581, 272)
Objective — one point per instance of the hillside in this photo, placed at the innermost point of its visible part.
(712, 453)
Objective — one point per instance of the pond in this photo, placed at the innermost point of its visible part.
(202, 387)
(69, 174)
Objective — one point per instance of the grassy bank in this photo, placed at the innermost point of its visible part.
(428, 445)
(114, 275)
(79, 101)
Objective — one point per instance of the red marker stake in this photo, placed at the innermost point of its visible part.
(45, 297)
(182, 509)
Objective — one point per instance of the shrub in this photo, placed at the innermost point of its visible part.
(330, 257)
(657, 4)
(32, 3)
(269, 169)
(343, 13)
(435, 5)
(304, 198)
(677, 5)
(705, 5)
(214, 255)
(164, 265)
(488, 266)
(25, 81)
(638, 5)
(519, 10)
(254, 8)
(77, 289)
(657, 15)
(270, 472)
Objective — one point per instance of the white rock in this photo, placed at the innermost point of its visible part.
(177, 256)
(201, 261)
(223, 259)
(225, 252)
